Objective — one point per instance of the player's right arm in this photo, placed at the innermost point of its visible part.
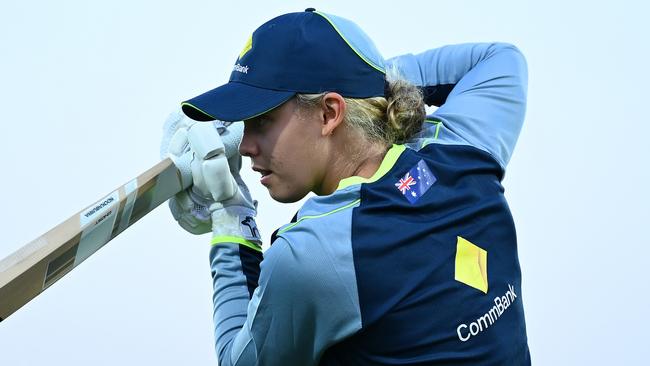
(300, 308)
(480, 90)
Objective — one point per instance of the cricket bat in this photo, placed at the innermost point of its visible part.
(36, 266)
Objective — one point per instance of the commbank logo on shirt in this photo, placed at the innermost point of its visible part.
(501, 304)
(471, 265)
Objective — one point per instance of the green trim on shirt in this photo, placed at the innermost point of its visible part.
(236, 240)
(387, 164)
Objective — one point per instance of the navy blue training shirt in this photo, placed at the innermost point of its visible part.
(416, 265)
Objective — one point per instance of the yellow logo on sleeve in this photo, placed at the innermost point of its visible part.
(247, 47)
(471, 265)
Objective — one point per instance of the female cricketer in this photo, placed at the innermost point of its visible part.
(407, 252)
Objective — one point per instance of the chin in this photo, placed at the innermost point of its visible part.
(286, 197)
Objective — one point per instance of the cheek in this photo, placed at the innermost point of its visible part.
(296, 157)
(297, 167)
(293, 180)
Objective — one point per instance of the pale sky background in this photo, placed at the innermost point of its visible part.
(86, 85)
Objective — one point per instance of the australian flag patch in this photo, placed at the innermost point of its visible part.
(416, 182)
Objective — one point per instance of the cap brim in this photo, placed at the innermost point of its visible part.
(234, 102)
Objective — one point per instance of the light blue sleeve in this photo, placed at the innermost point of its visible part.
(301, 307)
(482, 91)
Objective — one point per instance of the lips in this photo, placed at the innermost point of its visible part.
(265, 174)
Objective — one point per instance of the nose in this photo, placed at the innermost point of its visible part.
(248, 146)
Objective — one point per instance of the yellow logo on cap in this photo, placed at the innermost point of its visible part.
(471, 265)
(247, 47)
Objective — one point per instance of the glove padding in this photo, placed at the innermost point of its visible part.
(218, 198)
(217, 177)
(191, 207)
(233, 219)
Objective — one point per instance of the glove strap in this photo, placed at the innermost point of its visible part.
(236, 225)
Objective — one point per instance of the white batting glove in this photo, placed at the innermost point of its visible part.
(218, 199)
(191, 207)
(233, 211)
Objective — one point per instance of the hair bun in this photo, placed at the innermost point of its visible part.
(405, 112)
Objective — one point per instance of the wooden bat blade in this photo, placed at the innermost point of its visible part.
(33, 268)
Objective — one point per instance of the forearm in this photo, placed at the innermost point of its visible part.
(480, 89)
(235, 273)
(438, 71)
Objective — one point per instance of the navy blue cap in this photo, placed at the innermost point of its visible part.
(308, 52)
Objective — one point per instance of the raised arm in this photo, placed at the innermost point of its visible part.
(480, 89)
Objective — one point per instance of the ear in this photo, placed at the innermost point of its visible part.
(333, 109)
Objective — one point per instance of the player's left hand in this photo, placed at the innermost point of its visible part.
(217, 177)
(191, 207)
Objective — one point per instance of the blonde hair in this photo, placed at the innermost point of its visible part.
(391, 120)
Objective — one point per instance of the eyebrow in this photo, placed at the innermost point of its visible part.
(261, 117)
(254, 119)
